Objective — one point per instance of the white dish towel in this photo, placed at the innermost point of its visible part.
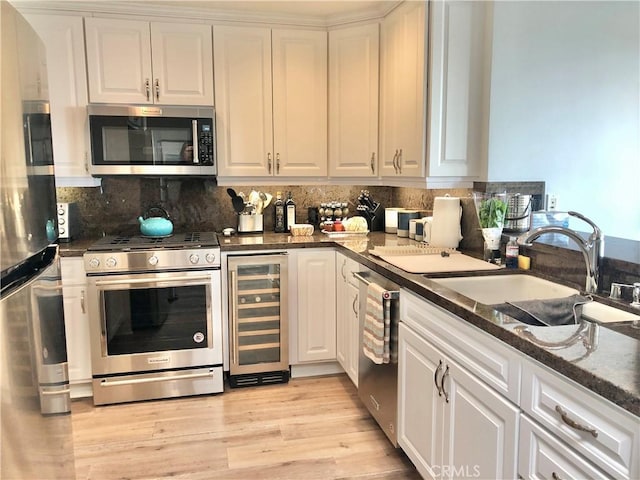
(377, 325)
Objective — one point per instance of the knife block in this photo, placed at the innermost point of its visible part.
(375, 218)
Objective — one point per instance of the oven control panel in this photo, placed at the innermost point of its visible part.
(156, 260)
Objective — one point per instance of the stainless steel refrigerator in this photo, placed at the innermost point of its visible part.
(35, 424)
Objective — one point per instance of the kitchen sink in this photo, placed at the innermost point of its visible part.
(497, 290)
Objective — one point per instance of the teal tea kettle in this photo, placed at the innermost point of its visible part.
(155, 223)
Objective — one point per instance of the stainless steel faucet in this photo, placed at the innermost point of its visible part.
(592, 248)
(616, 292)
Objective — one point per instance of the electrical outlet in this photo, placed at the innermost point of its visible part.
(552, 201)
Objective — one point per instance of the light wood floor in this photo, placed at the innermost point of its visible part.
(313, 428)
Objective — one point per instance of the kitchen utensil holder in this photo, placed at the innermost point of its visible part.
(250, 223)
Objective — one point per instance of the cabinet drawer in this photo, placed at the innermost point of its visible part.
(73, 272)
(543, 456)
(602, 432)
(486, 357)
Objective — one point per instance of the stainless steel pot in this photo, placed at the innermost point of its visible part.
(518, 217)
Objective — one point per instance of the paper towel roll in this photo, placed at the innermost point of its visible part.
(445, 228)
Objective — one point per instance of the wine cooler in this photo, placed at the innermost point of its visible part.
(258, 343)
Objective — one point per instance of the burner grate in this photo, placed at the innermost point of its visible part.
(139, 242)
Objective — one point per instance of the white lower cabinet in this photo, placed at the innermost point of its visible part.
(74, 288)
(315, 289)
(450, 424)
(347, 308)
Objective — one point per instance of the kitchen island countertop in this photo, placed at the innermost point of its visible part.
(612, 370)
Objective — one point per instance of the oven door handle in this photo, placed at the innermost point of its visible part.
(100, 283)
(115, 383)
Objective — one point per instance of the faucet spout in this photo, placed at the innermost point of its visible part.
(592, 248)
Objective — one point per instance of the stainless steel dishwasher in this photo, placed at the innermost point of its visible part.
(378, 383)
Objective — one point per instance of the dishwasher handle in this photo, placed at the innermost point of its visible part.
(389, 294)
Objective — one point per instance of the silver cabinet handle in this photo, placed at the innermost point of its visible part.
(573, 424)
(277, 164)
(157, 90)
(344, 264)
(82, 307)
(353, 306)
(395, 159)
(147, 89)
(373, 163)
(435, 378)
(555, 476)
(400, 161)
(446, 374)
(269, 162)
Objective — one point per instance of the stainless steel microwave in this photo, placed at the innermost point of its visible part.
(152, 140)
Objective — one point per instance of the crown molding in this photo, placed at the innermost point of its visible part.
(194, 14)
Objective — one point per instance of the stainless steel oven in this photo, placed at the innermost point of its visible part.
(155, 321)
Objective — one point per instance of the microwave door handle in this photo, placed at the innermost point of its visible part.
(29, 139)
(194, 128)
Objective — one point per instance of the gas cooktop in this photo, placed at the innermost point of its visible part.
(115, 243)
(137, 253)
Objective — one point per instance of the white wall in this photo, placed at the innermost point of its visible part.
(565, 105)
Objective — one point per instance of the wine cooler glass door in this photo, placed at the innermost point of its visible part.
(258, 307)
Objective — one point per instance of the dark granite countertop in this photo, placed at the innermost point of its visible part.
(611, 370)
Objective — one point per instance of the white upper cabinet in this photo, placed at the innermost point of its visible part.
(244, 100)
(300, 102)
(353, 101)
(271, 96)
(139, 62)
(403, 115)
(458, 83)
(63, 37)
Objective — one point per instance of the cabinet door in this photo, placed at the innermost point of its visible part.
(76, 321)
(353, 101)
(347, 308)
(300, 102)
(480, 432)
(316, 291)
(118, 61)
(352, 331)
(420, 410)
(64, 38)
(243, 98)
(342, 313)
(403, 91)
(457, 88)
(182, 61)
